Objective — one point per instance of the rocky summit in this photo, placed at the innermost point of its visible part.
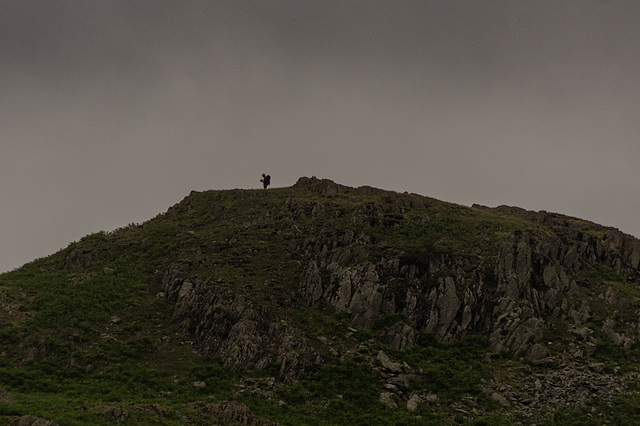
(324, 304)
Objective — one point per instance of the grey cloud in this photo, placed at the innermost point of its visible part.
(112, 111)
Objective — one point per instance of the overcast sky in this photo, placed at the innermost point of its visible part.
(112, 111)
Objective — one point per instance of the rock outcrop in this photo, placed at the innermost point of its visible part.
(513, 292)
(511, 297)
(229, 325)
(33, 421)
(537, 284)
(233, 413)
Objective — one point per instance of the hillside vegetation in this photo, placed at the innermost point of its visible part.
(321, 304)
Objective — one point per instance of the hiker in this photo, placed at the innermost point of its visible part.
(266, 180)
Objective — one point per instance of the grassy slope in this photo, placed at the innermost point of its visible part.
(78, 338)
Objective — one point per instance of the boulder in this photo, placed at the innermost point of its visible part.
(389, 365)
(413, 402)
(113, 413)
(387, 398)
(6, 397)
(33, 421)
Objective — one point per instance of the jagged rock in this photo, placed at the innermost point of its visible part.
(582, 314)
(399, 336)
(431, 397)
(33, 421)
(582, 332)
(402, 380)
(78, 258)
(227, 324)
(570, 386)
(320, 186)
(446, 304)
(500, 398)
(386, 362)
(155, 409)
(387, 398)
(313, 289)
(550, 276)
(413, 402)
(608, 326)
(512, 333)
(113, 413)
(532, 280)
(232, 412)
(611, 296)
(537, 352)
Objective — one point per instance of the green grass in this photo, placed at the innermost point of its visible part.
(341, 393)
(449, 370)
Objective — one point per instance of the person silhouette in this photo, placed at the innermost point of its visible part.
(266, 180)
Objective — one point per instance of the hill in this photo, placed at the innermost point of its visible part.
(324, 304)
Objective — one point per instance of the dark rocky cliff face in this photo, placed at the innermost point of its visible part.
(538, 284)
(525, 287)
